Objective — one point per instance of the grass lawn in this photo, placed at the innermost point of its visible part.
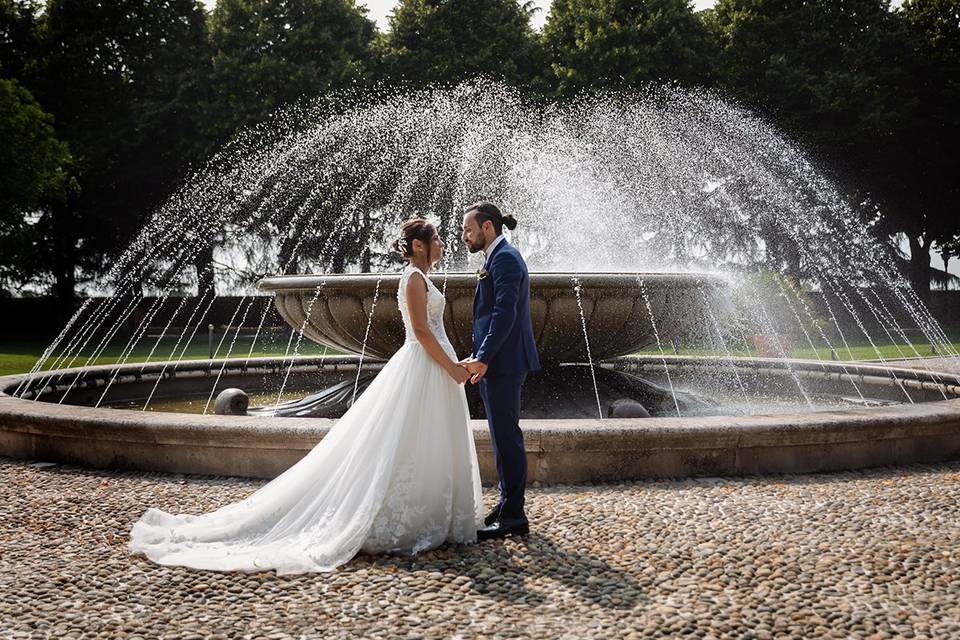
(861, 350)
(857, 351)
(19, 356)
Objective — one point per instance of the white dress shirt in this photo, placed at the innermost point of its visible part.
(489, 248)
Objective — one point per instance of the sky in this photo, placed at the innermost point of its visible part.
(379, 10)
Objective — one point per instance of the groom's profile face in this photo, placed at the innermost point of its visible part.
(473, 235)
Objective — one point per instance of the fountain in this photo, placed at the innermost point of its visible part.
(652, 222)
(335, 310)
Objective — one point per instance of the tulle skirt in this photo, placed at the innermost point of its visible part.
(397, 473)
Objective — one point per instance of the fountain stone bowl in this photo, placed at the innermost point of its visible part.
(335, 310)
(51, 416)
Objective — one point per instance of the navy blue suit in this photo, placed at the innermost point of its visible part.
(503, 340)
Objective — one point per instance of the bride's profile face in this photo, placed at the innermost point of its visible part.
(436, 248)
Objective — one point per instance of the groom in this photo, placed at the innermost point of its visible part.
(504, 351)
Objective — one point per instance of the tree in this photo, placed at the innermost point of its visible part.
(269, 57)
(620, 43)
(34, 172)
(124, 81)
(833, 75)
(19, 37)
(444, 42)
(830, 73)
(925, 192)
(271, 54)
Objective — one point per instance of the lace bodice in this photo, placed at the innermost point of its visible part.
(435, 304)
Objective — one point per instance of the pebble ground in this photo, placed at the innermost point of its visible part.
(869, 554)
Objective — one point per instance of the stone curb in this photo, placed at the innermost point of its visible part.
(567, 451)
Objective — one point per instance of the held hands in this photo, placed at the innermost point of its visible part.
(476, 368)
(468, 369)
(459, 373)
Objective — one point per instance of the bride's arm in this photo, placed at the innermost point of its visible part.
(417, 308)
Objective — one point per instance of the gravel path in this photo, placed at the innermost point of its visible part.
(848, 555)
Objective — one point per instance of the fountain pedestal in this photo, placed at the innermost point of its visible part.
(621, 313)
(335, 309)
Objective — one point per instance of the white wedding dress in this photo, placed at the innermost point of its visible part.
(396, 474)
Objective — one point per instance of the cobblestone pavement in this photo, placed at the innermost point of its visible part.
(848, 555)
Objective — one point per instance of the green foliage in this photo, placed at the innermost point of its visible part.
(620, 43)
(33, 162)
(829, 72)
(267, 58)
(34, 172)
(871, 92)
(443, 42)
(125, 84)
(143, 93)
(926, 190)
(269, 54)
(20, 39)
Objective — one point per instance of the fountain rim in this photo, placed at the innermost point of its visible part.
(920, 379)
(560, 450)
(589, 280)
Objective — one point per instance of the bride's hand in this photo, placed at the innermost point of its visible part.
(458, 373)
(475, 368)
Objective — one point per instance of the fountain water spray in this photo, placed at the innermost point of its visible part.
(662, 179)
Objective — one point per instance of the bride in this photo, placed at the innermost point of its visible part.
(396, 474)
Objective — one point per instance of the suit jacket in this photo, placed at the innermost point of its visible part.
(502, 328)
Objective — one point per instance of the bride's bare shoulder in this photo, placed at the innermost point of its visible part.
(412, 276)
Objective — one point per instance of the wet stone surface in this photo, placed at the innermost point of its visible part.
(945, 365)
(868, 554)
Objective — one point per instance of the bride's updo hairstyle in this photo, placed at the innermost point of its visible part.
(484, 210)
(410, 230)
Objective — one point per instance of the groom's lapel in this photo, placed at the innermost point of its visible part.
(476, 292)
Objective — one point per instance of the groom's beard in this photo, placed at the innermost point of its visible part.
(474, 248)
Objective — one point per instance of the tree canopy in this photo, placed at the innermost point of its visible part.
(447, 41)
(626, 43)
(34, 172)
(34, 164)
(864, 89)
(124, 84)
(108, 106)
(19, 37)
(924, 191)
(830, 73)
(269, 54)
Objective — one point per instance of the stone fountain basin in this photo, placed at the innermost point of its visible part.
(558, 450)
(335, 310)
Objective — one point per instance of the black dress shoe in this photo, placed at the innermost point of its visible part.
(503, 529)
(493, 516)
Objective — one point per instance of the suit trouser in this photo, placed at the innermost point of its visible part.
(501, 401)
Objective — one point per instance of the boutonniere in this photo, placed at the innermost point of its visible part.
(482, 273)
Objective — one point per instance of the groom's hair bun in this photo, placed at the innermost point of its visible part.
(410, 230)
(484, 210)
